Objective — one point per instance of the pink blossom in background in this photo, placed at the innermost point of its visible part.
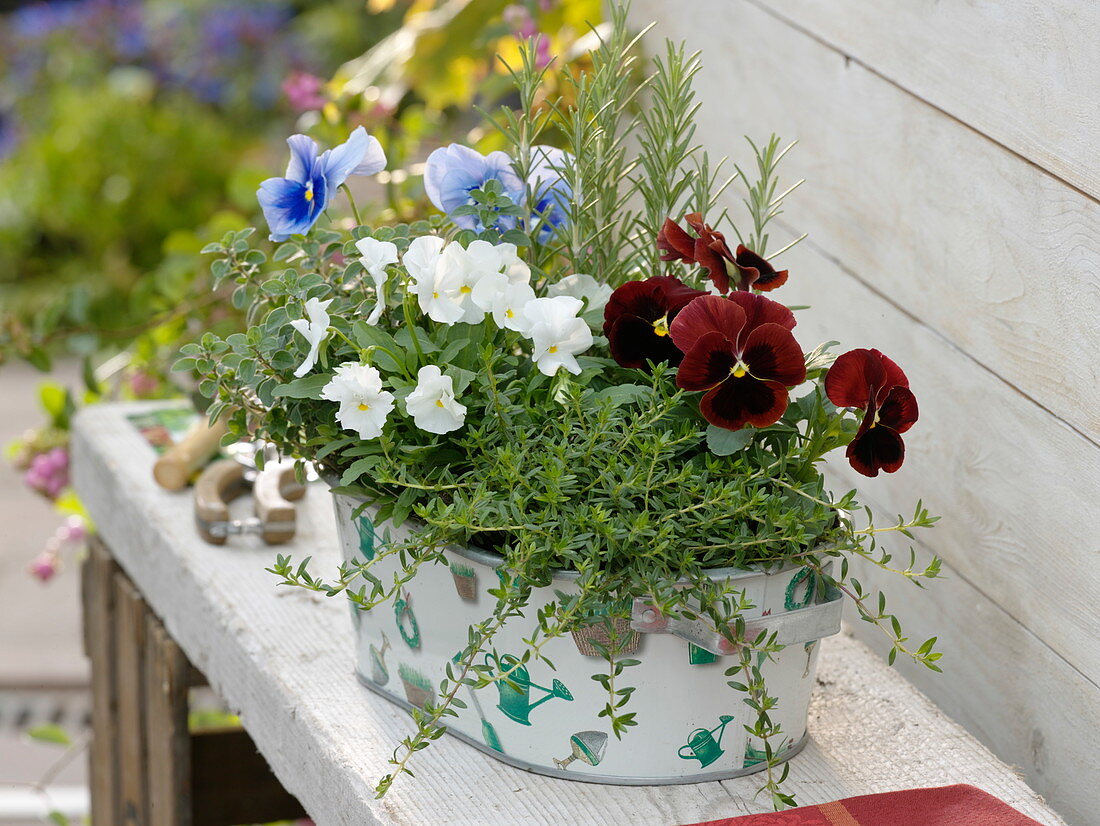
(74, 530)
(303, 91)
(523, 27)
(520, 21)
(45, 566)
(143, 384)
(49, 472)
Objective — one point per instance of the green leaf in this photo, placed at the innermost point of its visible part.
(621, 394)
(307, 387)
(50, 733)
(724, 442)
(58, 818)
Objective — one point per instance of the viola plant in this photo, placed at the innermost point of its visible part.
(549, 374)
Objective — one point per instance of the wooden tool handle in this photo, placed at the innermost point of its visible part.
(274, 491)
(173, 469)
(221, 483)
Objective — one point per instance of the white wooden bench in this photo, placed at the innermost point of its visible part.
(283, 659)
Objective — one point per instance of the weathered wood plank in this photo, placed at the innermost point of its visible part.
(132, 755)
(98, 595)
(284, 660)
(1024, 73)
(168, 742)
(233, 783)
(983, 247)
(1015, 487)
(1000, 681)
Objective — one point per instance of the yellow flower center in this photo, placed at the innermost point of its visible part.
(363, 407)
(465, 288)
(309, 194)
(553, 349)
(739, 370)
(439, 402)
(509, 314)
(660, 326)
(435, 295)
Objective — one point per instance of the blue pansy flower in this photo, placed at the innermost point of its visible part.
(453, 172)
(293, 204)
(551, 193)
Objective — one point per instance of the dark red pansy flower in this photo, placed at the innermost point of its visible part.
(740, 350)
(707, 248)
(757, 273)
(637, 319)
(868, 380)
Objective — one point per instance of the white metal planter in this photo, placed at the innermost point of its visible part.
(690, 722)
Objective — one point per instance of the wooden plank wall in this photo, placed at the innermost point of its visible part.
(952, 203)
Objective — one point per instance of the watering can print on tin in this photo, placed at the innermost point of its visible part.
(705, 745)
(515, 689)
(379, 673)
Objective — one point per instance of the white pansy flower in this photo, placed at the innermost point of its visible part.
(557, 334)
(364, 405)
(376, 255)
(579, 285)
(447, 297)
(432, 404)
(506, 301)
(314, 327)
(421, 257)
(512, 265)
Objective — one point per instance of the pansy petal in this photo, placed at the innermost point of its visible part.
(713, 264)
(633, 341)
(338, 163)
(449, 173)
(760, 310)
(707, 364)
(706, 314)
(674, 243)
(737, 402)
(286, 208)
(757, 272)
(303, 151)
(874, 449)
(772, 354)
(374, 159)
(859, 376)
(898, 410)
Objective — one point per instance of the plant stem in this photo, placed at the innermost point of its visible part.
(351, 203)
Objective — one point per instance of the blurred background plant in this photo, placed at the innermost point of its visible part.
(134, 132)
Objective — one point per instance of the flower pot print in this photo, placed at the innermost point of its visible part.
(418, 688)
(465, 581)
(705, 745)
(628, 639)
(588, 747)
(515, 690)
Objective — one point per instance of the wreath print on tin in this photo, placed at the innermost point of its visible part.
(407, 625)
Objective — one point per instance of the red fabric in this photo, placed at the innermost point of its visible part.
(943, 806)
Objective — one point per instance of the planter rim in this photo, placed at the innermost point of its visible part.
(495, 560)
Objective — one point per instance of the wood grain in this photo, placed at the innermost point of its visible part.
(98, 595)
(1003, 683)
(981, 246)
(284, 660)
(167, 740)
(132, 754)
(1023, 73)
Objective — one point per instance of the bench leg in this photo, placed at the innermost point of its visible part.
(147, 768)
